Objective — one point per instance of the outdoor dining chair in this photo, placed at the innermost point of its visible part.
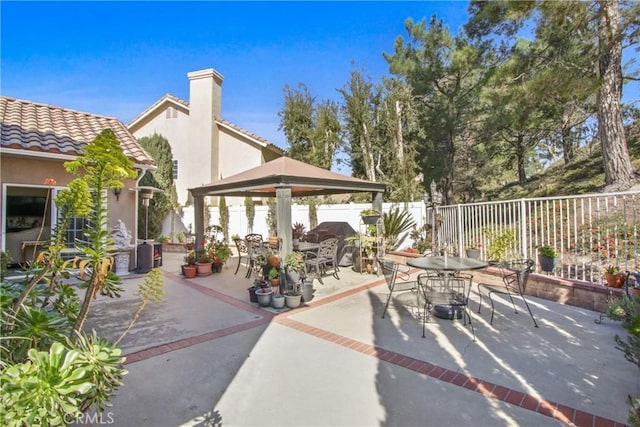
(398, 280)
(324, 259)
(243, 252)
(447, 296)
(255, 248)
(515, 274)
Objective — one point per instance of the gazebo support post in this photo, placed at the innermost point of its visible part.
(376, 201)
(198, 219)
(283, 215)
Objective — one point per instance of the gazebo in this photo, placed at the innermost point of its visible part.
(282, 178)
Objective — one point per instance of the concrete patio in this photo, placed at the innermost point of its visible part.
(207, 356)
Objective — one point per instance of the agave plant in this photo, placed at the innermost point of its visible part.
(396, 222)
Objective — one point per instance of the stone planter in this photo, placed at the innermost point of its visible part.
(122, 260)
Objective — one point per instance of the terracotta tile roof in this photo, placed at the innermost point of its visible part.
(36, 127)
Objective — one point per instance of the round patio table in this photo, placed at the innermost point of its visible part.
(448, 266)
(446, 263)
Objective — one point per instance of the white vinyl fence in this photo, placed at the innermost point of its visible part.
(590, 231)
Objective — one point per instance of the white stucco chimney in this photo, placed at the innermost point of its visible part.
(205, 104)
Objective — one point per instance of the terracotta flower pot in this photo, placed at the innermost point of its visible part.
(273, 260)
(189, 271)
(204, 268)
(614, 280)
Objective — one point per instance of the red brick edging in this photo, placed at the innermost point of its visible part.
(563, 413)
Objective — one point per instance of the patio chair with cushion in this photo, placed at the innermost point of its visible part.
(325, 258)
(514, 277)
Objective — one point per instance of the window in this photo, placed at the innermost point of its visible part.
(171, 113)
(174, 169)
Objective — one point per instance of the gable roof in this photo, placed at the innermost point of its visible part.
(41, 128)
(284, 172)
(180, 103)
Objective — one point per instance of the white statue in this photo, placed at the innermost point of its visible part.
(122, 236)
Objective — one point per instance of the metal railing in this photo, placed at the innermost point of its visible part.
(589, 232)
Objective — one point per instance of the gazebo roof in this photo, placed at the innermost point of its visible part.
(284, 172)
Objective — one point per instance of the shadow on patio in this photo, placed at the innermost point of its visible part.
(206, 356)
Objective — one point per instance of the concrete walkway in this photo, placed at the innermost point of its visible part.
(207, 356)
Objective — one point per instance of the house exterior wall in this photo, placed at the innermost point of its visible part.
(32, 171)
(204, 149)
(175, 130)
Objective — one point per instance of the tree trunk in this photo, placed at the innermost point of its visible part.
(520, 159)
(617, 163)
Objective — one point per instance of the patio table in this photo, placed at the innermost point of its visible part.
(306, 247)
(443, 271)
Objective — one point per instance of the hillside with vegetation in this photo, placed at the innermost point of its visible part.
(522, 98)
(584, 175)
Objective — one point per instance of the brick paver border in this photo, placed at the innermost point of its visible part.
(555, 410)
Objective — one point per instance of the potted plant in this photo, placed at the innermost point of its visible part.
(278, 300)
(293, 265)
(273, 259)
(221, 253)
(189, 267)
(297, 231)
(293, 296)
(257, 284)
(204, 263)
(370, 216)
(264, 296)
(274, 277)
(613, 276)
(547, 258)
(473, 250)
(500, 243)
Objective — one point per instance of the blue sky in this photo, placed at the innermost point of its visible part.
(118, 58)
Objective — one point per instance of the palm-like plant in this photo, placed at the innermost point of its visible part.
(396, 222)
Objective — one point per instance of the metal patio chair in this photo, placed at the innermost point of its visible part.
(515, 274)
(325, 258)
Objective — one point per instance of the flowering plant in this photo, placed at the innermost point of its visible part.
(204, 256)
(221, 253)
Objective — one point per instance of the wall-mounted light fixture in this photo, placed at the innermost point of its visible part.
(117, 191)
